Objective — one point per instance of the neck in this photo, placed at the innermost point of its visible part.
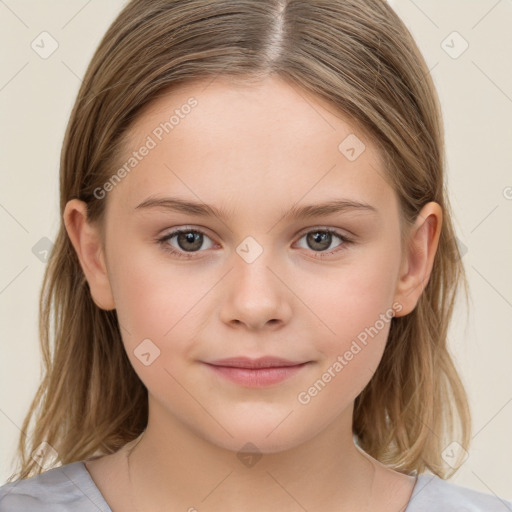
(188, 472)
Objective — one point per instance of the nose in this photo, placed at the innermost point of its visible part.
(255, 295)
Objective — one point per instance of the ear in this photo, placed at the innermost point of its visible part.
(419, 257)
(86, 240)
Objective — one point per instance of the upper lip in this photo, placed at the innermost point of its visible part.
(261, 362)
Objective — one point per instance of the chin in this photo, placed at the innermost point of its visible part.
(261, 437)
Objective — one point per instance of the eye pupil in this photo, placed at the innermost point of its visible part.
(320, 237)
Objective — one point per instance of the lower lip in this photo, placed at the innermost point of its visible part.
(257, 377)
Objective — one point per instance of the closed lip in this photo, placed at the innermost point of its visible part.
(261, 362)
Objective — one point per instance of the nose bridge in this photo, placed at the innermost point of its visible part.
(255, 294)
(253, 267)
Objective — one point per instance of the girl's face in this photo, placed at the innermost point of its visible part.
(253, 279)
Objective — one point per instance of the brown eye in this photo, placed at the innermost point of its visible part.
(320, 240)
(188, 241)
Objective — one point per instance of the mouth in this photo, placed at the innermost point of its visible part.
(256, 373)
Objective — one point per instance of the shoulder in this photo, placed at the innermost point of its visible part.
(434, 493)
(69, 487)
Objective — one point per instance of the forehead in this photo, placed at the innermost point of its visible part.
(247, 144)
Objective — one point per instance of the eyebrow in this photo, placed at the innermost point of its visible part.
(296, 212)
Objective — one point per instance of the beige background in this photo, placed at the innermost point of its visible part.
(36, 96)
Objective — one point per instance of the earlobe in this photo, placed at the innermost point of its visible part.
(86, 240)
(419, 257)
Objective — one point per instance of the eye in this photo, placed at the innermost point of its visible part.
(186, 239)
(320, 239)
(189, 241)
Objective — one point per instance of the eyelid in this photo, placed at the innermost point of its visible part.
(338, 231)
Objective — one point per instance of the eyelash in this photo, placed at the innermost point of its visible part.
(322, 254)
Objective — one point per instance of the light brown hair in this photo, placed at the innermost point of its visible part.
(358, 56)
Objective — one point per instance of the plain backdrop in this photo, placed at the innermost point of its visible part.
(468, 48)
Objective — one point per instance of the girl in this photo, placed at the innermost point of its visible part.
(294, 357)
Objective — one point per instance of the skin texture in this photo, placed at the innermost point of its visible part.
(255, 151)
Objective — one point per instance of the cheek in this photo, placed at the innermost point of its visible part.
(355, 304)
(154, 299)
(156, 307)
(360, 315)
(353, 297)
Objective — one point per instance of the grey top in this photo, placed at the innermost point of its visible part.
(71, 488)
